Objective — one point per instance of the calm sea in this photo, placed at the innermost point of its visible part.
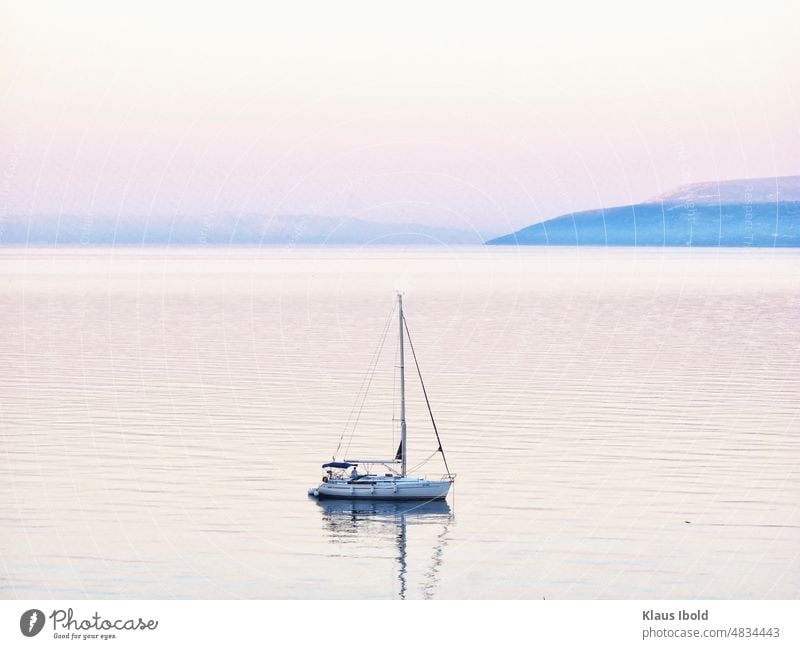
(623, 423)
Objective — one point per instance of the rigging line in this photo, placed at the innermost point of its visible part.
(373, 361)
(371, 371)
(376, 359)
(352, 410)
(424, 462)
(425, 392)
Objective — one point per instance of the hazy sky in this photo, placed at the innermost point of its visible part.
(492, 115)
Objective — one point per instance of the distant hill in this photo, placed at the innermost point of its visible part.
(248, 229)
(758, 212)
(729, 192)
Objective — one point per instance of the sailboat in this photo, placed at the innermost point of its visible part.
(343, 478)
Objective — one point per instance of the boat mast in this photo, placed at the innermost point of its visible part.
(402, 392)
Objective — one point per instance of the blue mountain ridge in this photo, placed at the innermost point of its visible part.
(775, 224)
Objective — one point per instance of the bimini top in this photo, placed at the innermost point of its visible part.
(338, 465)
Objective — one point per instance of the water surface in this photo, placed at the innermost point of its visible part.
(623, 423)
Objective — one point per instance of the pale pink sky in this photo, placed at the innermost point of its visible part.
(492, 115)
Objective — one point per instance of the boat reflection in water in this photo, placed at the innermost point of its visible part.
(367, 520)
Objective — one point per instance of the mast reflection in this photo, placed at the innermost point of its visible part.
(348, 519)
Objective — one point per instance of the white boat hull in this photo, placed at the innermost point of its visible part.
(384, 489)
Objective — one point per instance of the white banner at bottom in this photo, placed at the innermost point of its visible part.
(419, 624)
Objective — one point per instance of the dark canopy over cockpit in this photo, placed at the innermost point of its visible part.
(338, 465)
